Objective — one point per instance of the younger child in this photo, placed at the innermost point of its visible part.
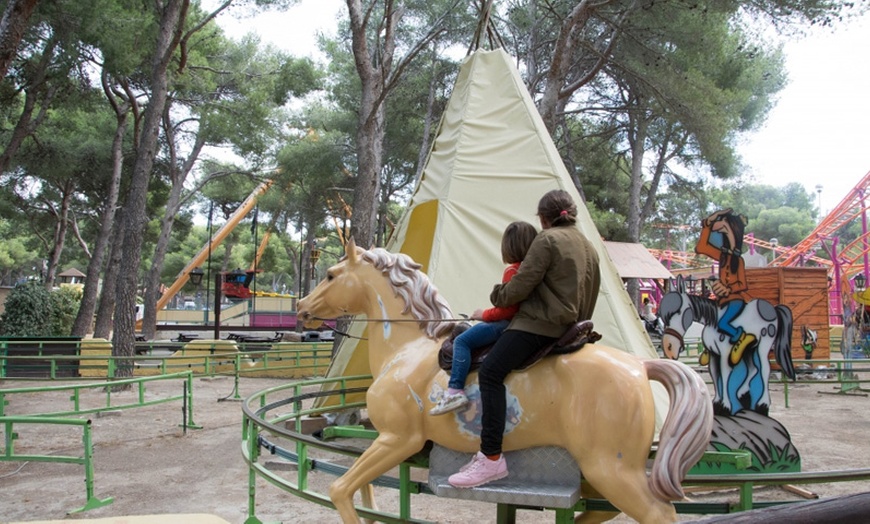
(515, 244)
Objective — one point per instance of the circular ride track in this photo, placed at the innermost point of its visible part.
(276, 423)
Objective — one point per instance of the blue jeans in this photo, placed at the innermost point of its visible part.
(732, 310)
(478, 335)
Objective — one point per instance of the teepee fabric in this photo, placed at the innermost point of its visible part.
(490, 163)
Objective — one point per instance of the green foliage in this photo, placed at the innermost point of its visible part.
(786, 213)
(16, 254)
(64, 308)
(27, 311)
(33, 311)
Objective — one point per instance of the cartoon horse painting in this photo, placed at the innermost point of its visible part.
(738, 385)
(597, 402)
(809, 341)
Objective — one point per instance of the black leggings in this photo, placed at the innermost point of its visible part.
(509, 352)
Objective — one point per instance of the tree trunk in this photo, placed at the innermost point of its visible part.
(85, 318)
(372, 65)
(637, 139)
(428, 122)
(61, 227)
(12, 27)
(173, 205)
(123, 340)
(103, 325)
(370, 144)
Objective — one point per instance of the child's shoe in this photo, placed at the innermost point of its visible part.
(449, 402)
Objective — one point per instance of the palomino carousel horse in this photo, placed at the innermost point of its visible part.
(738, 385)
(597, 402)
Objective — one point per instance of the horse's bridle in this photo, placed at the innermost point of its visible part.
(674, 333)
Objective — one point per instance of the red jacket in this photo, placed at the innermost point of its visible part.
(494, 314)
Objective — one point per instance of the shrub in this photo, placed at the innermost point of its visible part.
(65, 303)
(33, 311)
(28, 311)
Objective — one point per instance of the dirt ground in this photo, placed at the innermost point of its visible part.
(151, 466)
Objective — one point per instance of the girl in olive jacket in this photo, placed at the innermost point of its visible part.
(556, 286)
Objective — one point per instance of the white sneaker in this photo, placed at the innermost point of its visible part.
(479, 471)
(448, 403)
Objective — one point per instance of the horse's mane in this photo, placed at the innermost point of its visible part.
(705, 310)
(414, 287)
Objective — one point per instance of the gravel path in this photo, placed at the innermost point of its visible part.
(152, 466)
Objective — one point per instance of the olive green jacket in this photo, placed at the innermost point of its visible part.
(557, 283)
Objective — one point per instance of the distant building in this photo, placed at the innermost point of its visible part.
(71, 276)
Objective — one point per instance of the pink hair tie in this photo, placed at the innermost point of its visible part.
(563, 213)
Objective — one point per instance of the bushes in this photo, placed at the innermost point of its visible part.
(33, 311)
(65, 302)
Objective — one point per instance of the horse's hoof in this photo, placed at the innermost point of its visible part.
(704, 359)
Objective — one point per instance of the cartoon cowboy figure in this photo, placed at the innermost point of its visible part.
(722, 239)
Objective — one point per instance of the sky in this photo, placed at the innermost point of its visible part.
(818, 134)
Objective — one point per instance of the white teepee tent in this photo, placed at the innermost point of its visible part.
(490, 163)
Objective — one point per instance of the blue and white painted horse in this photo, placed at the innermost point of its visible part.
(742, 385)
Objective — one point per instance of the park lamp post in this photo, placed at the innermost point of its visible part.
(195, 276)
(860, 282)
(314, 256)
(195, 279)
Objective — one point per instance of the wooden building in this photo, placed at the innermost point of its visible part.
(805, 291)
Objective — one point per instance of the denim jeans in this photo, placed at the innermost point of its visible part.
(732, 310)
(478, 335)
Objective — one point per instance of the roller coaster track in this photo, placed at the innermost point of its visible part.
(685, 259)
(854, 205)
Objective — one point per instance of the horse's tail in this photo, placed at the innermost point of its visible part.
(686, 431)
(782, 341)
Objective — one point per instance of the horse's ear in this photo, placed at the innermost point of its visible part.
(350, 250)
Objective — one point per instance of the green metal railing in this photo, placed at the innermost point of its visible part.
(108, 388)
(206, 359)
(258, 429)
(265, 433)
(85, 460)
(38, 352)
(849, 374)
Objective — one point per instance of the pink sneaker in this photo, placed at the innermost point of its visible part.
(479, 471)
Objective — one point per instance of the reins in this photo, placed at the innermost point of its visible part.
(353, 319)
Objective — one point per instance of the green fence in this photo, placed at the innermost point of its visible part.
(108, 388)
(273, 423)
(40, 353)
(848, 374)
(86, 459)
(208, 358)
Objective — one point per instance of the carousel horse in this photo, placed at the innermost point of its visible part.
(740, 385)
(597, 403)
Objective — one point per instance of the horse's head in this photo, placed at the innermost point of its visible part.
(809, 338)
(676, 312)
(402, 290)
(336, 295)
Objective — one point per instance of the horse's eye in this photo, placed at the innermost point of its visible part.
(329, 277)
